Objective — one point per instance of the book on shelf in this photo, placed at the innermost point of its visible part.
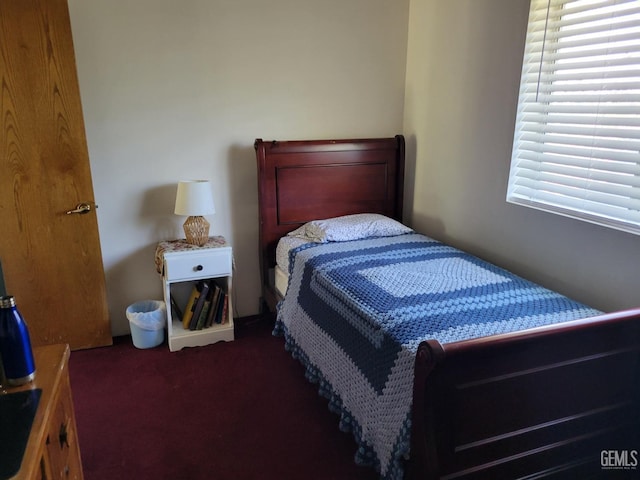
(223, 299)
(175, 308)
(213, 308)
(207, 305)
(203, 292)
(188, 309)
(204, 313)
(225, 309)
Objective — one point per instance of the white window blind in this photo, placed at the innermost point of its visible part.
(576, 148)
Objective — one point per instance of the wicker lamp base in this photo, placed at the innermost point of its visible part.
(196, 230)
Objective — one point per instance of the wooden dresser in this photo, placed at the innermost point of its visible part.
(52, 450)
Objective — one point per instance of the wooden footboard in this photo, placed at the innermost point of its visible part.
(545, 402)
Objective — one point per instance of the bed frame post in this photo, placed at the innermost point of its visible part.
(400, 160)
(424, 455)
(258, 145)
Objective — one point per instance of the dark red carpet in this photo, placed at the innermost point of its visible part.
(238, 410)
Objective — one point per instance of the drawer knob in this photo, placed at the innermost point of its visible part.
(198, 268)
(63, 436)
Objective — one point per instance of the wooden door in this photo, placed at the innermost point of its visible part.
(51, 260)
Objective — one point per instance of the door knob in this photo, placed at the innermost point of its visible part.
(81, 209)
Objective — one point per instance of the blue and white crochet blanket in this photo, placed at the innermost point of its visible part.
(355, 313)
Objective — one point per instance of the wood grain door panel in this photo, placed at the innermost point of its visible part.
(52, 261)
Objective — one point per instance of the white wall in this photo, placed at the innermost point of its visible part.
(175, 90)
(463, 72)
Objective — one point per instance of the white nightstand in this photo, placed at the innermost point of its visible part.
(182, 265)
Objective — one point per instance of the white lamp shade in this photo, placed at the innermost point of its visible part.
(194, 198)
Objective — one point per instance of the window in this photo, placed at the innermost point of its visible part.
(576, 148)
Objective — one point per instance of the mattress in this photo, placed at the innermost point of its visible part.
(281, 272)
(281, 280)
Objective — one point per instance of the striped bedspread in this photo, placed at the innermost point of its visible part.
(355, 313)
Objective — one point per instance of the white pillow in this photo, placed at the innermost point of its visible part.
(350, 227)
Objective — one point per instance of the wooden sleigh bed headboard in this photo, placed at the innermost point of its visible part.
(305, 180)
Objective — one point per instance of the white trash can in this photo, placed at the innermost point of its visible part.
(147, 320)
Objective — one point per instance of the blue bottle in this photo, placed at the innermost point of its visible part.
(15, 344)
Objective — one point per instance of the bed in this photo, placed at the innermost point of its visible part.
(557, 397)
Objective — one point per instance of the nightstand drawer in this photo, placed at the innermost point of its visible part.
(213, 263)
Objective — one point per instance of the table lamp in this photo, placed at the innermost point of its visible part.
(195, 199)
